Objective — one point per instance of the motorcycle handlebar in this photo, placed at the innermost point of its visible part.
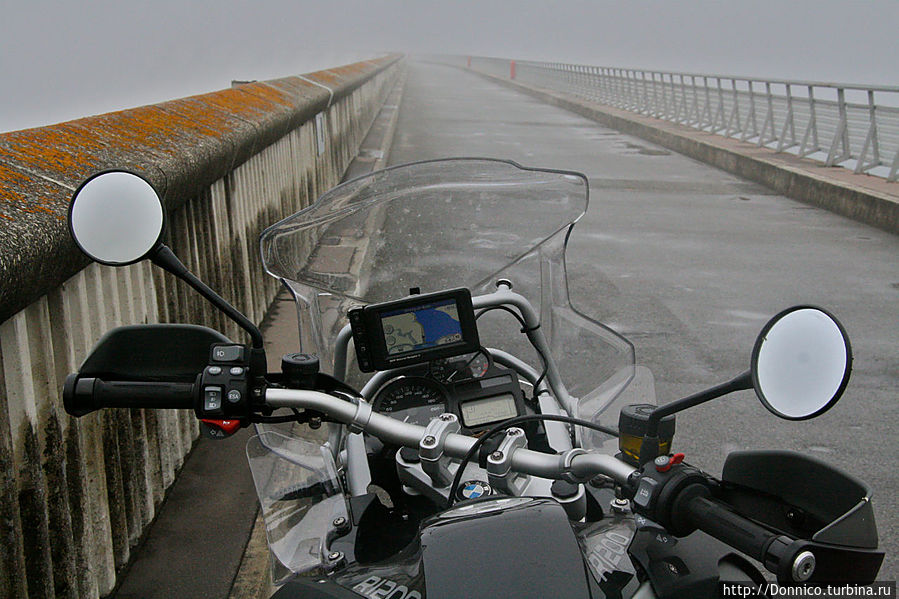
(780, 554)
(694, 508)
(82, 395)
(360, 416)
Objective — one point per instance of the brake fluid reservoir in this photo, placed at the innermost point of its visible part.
(632, 427)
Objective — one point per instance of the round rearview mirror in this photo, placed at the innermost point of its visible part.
(116, 218)
(801, 363)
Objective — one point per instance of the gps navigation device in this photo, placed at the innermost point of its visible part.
(415, 329)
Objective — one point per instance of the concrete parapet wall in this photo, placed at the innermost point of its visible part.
(77, 494)
(865, 198)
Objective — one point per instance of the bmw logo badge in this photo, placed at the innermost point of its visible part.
(473, 489)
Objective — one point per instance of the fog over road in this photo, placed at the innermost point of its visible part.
(64, 60)
(689, 263)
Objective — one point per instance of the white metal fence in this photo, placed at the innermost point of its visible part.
(853, 126)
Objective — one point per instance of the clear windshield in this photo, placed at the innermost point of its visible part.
(431, 225)
(442, 224)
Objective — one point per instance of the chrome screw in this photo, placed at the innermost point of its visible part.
(803, 566)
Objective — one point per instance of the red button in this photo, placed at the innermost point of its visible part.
(664, 463)
(229, 427)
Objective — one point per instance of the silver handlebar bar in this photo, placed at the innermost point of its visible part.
(578, 463)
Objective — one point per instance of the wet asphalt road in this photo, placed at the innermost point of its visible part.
(689, 262)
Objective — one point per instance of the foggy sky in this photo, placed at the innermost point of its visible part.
(61, 60)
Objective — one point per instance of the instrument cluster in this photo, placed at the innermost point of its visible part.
(470, 385)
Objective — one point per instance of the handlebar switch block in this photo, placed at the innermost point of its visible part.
(225, 384)
(659, 490)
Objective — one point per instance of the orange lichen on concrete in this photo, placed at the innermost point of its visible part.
(300, 89)
(22, 193)
(181, 146)
(326, 77)
(68, 152)
(58, 148)
(250, 102)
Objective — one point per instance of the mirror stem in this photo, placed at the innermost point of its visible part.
(166, 259)
(739, 383)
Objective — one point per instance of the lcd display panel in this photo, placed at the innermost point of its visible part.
(490, 409)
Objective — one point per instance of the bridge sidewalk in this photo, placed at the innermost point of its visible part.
(208, 540)
(866, 198)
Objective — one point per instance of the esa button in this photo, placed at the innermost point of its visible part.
(234, 396)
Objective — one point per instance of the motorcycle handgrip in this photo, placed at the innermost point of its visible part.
(778, 552)
(83, 395)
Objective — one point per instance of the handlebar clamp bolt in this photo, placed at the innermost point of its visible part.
(497, 455)
(447, 417)
(620, 505)
(429, 440)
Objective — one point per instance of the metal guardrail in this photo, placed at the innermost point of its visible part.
(854, 126)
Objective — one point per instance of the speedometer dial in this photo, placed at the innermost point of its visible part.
(411, 399)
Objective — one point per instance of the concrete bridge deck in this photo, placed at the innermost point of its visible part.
(689, 262)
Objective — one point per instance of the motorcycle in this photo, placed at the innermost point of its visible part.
(453, 426)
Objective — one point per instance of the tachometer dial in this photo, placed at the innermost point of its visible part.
(460, 368)
(411, 399)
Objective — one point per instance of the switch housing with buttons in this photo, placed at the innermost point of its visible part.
(224, 384)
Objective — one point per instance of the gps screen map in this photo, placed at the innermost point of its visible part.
(421, 327)
(415, 329)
